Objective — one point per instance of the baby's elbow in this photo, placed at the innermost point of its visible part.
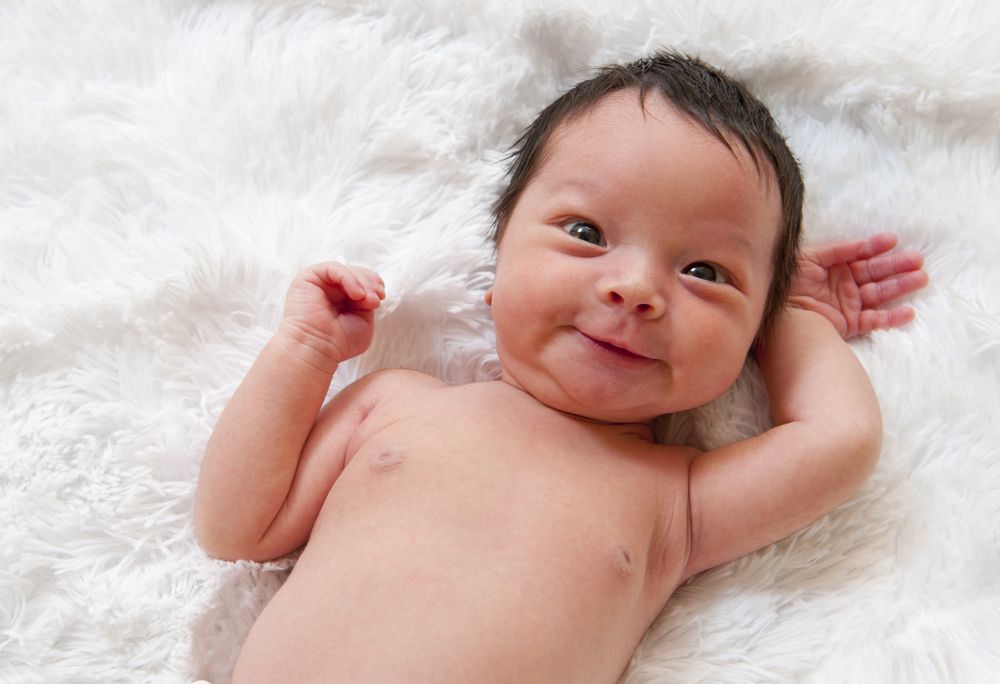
(224, 546)
(231, 552)
(220, 554)
(218, 542)
(864, 444)
(216, 547)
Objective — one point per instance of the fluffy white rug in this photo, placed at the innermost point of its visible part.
(166, 167)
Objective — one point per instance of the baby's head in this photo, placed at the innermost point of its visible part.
(646, 238)
(714, 101)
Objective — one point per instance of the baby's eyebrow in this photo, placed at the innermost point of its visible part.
(733, 237)
(738, 239)
(580, 184)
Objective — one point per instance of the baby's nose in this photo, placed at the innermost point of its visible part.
(637, 291)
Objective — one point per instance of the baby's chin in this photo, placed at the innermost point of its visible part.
(609, 403)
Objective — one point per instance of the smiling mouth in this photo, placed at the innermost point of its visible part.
(616, 350)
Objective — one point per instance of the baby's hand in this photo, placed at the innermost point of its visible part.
(333, 305)
(847, 282)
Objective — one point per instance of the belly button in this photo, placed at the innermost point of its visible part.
(386, 460)
(621, 559)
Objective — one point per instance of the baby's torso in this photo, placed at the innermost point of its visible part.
(476, 535)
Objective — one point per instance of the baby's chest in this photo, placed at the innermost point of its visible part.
(518, 493)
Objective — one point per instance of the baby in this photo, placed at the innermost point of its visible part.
(530, 529)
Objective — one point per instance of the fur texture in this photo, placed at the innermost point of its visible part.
(166, 167)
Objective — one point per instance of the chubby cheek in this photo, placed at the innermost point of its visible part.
(527, 289)
(509, 305)
(518, 338)
(529, 305)
(519, 318)
(715, 354)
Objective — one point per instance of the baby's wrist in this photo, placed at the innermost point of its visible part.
(804, 314)
(794, 322)
(308, 346)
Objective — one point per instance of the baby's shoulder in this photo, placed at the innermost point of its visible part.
(394, 383)
(371, 398)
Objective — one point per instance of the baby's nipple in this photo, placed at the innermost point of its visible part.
(621, 560)
(386, 460)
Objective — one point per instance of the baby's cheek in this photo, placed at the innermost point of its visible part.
(728, 368)
(516, 302)
(709, 362)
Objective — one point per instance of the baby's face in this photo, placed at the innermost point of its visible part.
(633, 271)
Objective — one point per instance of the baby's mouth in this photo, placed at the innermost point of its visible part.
(615, 349)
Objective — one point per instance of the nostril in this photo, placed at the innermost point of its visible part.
(643, 308)
(616, 298)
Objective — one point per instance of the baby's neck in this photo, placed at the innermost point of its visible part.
(641, 430)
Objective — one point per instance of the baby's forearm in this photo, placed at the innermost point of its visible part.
(253, 452)
(823, 444)
(821, 396)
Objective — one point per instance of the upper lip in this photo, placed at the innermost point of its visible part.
(617, 343)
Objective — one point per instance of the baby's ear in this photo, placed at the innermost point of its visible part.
(489, 297)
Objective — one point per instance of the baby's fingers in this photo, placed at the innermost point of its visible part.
(851, 251)
(367, 290)
(373, 286)
(875, 294)
(373, 280)
(886, 266)
(878, 244)
(883, 319)
(361, 286)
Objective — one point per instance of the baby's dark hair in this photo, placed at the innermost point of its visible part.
(720, 104)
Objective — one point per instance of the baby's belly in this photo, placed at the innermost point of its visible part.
(424, 567)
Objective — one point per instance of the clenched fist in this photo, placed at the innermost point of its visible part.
(331, 306)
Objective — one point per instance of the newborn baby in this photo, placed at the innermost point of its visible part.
(530, 529)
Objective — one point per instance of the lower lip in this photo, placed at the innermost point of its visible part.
(616, 352)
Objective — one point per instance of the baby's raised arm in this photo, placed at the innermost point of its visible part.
(827, 425)
(254, 453)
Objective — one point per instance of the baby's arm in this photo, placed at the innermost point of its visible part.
(253, 456)
(827, 426)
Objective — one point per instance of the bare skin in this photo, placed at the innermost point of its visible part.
(528, 529)
(487, 545)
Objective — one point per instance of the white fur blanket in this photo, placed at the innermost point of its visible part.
(166, 167)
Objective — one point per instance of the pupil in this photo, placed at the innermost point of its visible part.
(585, 232)
(703, 271)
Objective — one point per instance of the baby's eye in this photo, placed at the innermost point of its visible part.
(706, 272)
(584, 231)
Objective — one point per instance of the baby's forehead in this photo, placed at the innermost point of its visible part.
(624, 111)
(645, 159)
(598, 137)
